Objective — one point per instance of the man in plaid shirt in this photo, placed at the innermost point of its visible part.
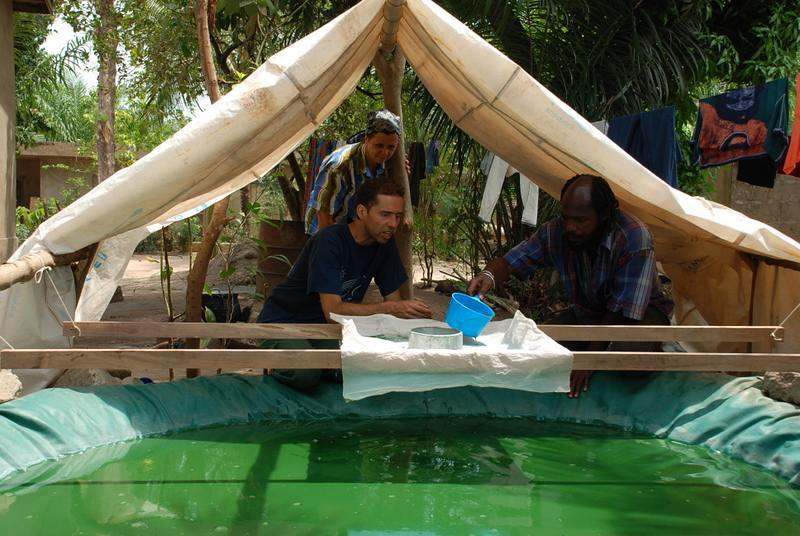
(606, 262)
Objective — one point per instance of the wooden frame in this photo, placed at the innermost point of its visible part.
(202, 330)
(331, 359)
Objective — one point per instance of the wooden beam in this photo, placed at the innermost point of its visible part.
(146, 358)
(201, 330)
(331, 359)
(662, 333)
(181, 330)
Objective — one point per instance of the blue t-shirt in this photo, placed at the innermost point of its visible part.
(333, 263)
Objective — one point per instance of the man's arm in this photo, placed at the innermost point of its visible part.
(392, 305)
(522, 261)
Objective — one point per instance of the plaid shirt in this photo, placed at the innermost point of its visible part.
(335, 185)
(619, 276)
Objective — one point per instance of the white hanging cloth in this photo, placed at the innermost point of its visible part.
(529, 192)
(498, 169)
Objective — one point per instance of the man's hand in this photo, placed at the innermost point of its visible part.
(408, 309)
(579, 381)
(480, 284)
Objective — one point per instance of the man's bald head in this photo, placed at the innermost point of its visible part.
(587, 203)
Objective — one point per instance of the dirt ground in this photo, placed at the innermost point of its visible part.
(143, 301)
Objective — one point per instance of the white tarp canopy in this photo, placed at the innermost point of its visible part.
(703, 246)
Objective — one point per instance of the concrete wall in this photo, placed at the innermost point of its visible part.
(56, 171)
(778, 206)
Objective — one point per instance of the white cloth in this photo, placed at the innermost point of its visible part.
(494, 185)
(497, 170)
(512, 354)
(530, 200)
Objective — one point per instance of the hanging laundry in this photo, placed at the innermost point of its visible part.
(432, 156)
(649, 137)
(529, 192)
(417, 160)
(496, 169)
(758, 171)
(792, 164)
(744, 123)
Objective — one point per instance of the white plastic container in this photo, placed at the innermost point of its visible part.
(435, 338)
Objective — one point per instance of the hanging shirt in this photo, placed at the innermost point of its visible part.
(332, 262)
(745, 123)
(618, 276)
(791, 165)
(650, 138)
(495, 169)
(339, 176)
(432, 156)
(417, 160)
(529, 192)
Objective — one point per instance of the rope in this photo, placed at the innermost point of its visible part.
(775, 337)
(6, 342)
(45, 270)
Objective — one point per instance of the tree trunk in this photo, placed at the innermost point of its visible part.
(390, 68)
(291, 197)
(106, 42)
(219, 215)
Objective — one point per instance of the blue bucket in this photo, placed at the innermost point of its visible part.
(468, 314)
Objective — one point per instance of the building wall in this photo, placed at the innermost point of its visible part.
(28, 181)
(778, 206)
(57, 171)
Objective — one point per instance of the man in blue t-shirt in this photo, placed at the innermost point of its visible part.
(335, 269)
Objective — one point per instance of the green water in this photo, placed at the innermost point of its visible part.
(412, 477)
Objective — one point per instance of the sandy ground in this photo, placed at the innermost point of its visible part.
(143, 301)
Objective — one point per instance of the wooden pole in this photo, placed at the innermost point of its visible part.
(202, 330)
(214, 225)
(8, 184)
(331, 359)
(390, 64)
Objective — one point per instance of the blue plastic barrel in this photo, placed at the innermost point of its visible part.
(468, 314)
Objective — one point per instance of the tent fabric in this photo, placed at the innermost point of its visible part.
(702, 246)
(726, 414)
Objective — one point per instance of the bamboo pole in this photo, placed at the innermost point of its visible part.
(24, 268)
(392, 13)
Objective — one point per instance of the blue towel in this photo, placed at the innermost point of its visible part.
(650, 138)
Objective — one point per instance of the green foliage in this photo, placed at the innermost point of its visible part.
(52, 104)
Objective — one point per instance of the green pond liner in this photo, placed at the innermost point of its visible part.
(726, 414)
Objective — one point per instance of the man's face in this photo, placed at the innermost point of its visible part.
(379, 147)
(582, 224)
(382, 219)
